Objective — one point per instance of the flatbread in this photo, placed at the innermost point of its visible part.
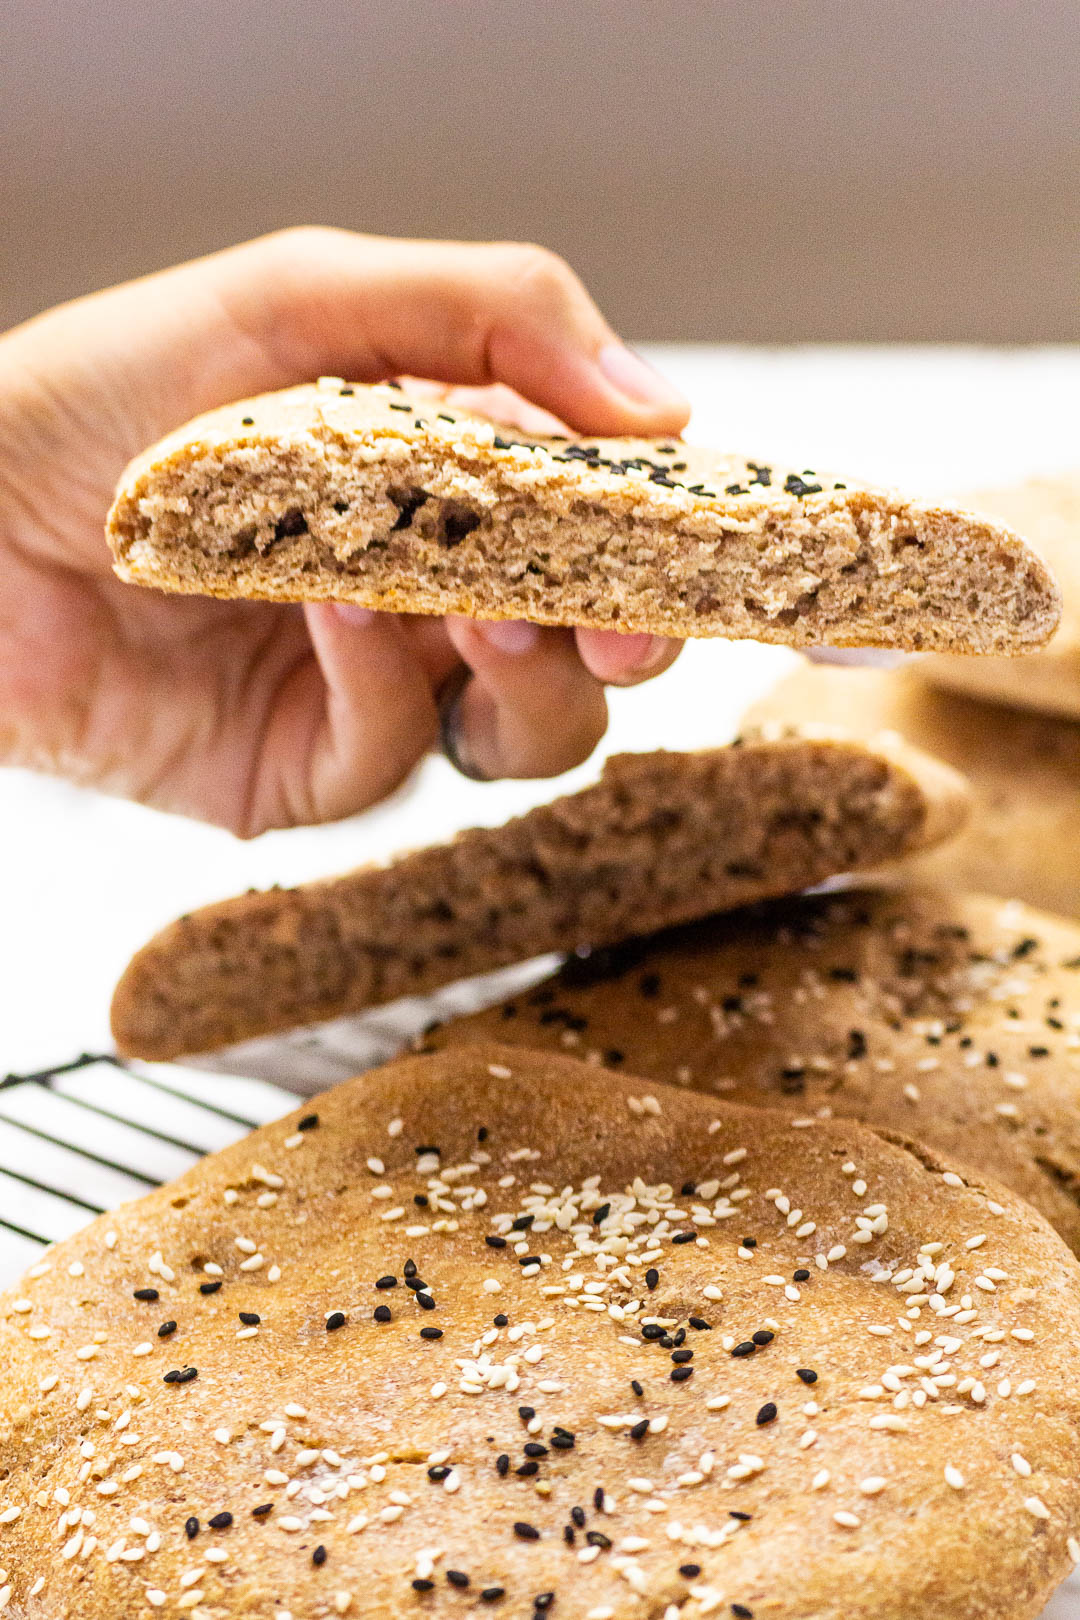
(343, 492)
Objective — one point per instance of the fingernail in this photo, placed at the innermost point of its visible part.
(637, 655)
(635, 378)
(356, 615)
(510, 635)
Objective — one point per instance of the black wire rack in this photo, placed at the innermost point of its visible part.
(77, 1139)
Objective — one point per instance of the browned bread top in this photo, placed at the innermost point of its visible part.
(1046, 511)
(953, 1018)
(642, 1350)
(357, 493)
(1022, 838)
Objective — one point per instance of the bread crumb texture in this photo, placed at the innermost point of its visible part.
(662, 837)
(336, 491)
(493, 1328)
(1022, 837)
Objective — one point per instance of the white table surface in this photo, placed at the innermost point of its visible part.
(84, 880)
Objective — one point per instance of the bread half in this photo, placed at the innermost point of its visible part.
(661, 838)
(343, 492)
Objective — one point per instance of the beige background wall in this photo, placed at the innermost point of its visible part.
(775, 171)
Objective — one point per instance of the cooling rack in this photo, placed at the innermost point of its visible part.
(77, 1139)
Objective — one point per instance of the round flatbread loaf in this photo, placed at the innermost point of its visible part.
(1047, 512)
(493, 1332)
(952, 1018)
(1022, 839)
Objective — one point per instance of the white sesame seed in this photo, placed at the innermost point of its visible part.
(1021, 1464)
(847, 1521)
(954, 1477)
(1036, 1507)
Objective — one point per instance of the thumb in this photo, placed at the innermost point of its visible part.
(286, 308)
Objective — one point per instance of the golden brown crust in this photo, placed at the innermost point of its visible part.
(1022, 839)
(661, 838)
(1046, 511)
(351, 493)
(952, 1018)
(868, 1494)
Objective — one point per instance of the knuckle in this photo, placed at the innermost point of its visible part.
(534, 271)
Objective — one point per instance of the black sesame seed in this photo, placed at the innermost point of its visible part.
(526, 1470)
(639, 1430)
(336, 1319)
(652, 1330)
(763, 1336)
(680, 1337)
(802, 1275)
(600, 1215)
(262, 1510)
(652, 1277)
(187, 1374)
(747, 1348)
(502, 1464)
(636, 1387)
(147, 1293)
(733, 1513)
(210, 1287)
(749, 1243)
(741, 1612)
(382, 1313)
(220, 1521)
(457, 1577)
(614, 1055)
(543, 1601)
(533, 1448)
(688, 1189)
(191, 1527)
(501, 1320)
(409, 1269)
(526, 1413)
(495, 1242)
(247, 421)
(425, 1302)
(684, 1237)
(598, 1499)
(681, 1356)
(318, 1557)
(597, 1538)
(386, 1282)
(165, 1329)
(690, 1571)
(562, 1442)
(699, 1324)
(529, 1260)
(308, 1123)
(431, 1333)
(419, 1584)
(807, 1374)
(491, 1594)
(522, 1223)
(766, 1414)
(250, 1318)
(527, 1532)
(421, 1200)
(679, 1375)
(578, 1516)
(437, 1473)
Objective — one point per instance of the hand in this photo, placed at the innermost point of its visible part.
(256, 715)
